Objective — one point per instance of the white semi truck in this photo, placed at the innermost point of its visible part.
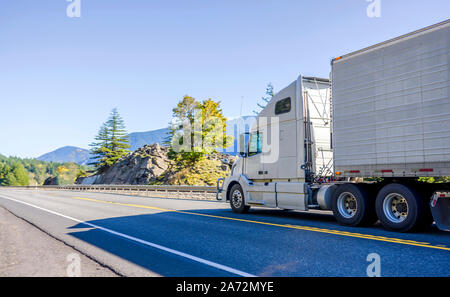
(357, 143)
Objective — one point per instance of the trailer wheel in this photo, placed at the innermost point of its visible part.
(237, 200)
(352, 206)
(400, 208)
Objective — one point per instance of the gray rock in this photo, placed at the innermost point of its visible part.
(51, 181)
(142, 167)
(146, 165)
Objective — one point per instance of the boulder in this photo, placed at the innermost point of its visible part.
(51, 181)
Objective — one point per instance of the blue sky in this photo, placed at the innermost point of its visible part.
(61, 76)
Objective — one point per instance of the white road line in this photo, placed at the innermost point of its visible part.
(154, 245)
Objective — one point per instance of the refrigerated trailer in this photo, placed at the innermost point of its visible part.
(359, 143)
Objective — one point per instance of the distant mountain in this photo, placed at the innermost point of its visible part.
(68, 154)
(81, 156)
(139, 139)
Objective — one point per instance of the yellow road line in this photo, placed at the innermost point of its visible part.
(304, 228)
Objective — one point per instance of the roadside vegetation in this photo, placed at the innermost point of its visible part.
(197, 132)
(198, 129)
(32, 172)
(445, 179)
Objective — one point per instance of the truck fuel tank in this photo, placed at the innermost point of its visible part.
(323, 196)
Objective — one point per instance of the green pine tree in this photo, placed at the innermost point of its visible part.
(100, 148)
(111, 144)
(118, 142)
(266, 99)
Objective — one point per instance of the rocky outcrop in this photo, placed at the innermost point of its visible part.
(86, 180)
(142, 167)
(51, 181)
(150, 165)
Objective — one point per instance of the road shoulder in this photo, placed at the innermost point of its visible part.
(27, 251)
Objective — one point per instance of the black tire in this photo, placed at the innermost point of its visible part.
(360, 211)
(238, 206)
(409, 216)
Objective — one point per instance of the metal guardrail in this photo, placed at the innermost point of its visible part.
(163, 191)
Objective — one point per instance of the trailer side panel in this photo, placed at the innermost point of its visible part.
(391, 107)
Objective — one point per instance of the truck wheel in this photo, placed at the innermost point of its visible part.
(352, 206)
(237, 200)
(400, 208)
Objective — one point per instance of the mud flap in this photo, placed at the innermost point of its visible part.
(440, 208)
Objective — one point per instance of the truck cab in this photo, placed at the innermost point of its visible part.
(289, 145)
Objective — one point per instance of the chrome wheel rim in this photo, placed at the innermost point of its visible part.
(236, 198)
(347, 205)
(395, 208)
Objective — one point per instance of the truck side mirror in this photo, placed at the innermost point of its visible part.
(242, 146)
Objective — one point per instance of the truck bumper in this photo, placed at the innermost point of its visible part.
(440, 208)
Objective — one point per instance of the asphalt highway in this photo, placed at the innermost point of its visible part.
(140, 236)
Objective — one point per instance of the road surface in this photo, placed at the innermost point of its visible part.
(140, 236)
